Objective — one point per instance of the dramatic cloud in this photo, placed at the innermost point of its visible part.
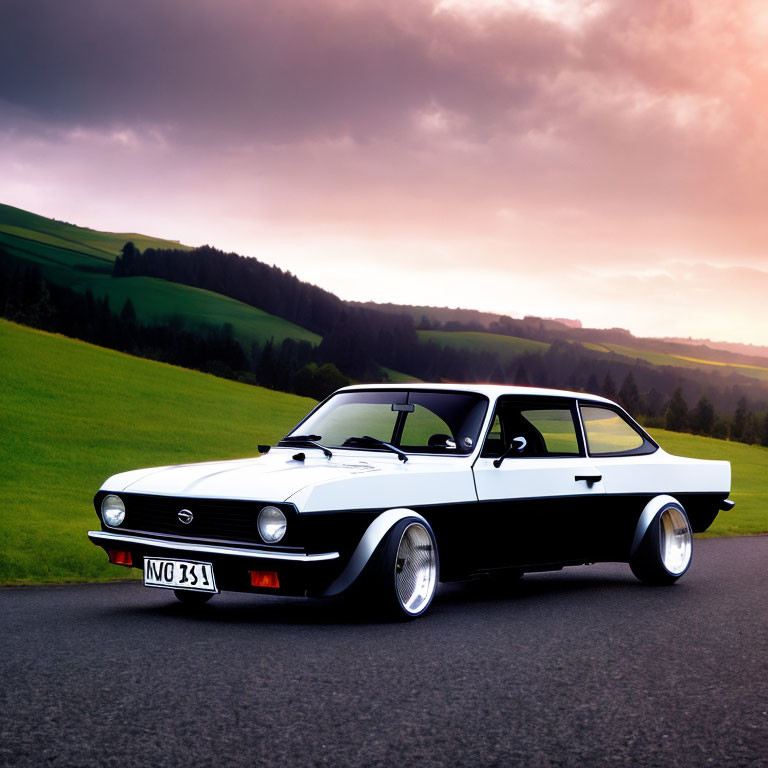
(542, 156)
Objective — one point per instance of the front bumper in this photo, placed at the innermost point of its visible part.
(299, 573)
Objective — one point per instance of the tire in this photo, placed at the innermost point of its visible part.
(189, 597)
(666, 550)
(402, 577)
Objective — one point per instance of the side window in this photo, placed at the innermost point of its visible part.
(556, 429)
(608, 433)
(547, 427)
(424, 428)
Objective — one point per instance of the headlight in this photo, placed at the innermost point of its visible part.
(272, 524)
(112, 510)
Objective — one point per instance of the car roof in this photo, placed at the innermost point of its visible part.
(491, 391)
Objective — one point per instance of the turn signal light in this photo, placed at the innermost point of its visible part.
(118, 557)
(265, 579)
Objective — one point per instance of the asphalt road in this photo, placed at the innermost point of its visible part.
(580, 668)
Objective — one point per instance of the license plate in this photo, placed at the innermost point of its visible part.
(179, 574)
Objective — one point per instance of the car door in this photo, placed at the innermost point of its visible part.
(537, 501)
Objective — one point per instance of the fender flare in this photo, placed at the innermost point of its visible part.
(371, 539)
(651, 509)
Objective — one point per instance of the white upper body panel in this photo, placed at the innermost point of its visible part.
(662, 472)
(491, 391)
(374, 479)
(349, 480)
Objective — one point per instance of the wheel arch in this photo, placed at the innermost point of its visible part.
(370, 540)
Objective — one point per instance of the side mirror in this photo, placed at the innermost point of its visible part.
(518, 445)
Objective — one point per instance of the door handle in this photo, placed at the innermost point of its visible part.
(591, 479)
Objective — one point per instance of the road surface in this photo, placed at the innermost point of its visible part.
(582, 668)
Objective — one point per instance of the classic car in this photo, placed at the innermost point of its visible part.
(385, 490)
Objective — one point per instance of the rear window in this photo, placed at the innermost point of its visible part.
(608, 433)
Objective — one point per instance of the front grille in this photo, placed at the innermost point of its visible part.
(212, 518)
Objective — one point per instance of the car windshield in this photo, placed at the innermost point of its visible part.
(446, 423)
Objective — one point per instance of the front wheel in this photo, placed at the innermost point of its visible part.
(665, 552)
(403, 576)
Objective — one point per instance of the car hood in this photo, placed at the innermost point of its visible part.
(273, 477)
(349, 480)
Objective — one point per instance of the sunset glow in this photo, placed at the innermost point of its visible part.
(605, 161)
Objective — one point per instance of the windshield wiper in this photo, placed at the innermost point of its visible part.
(306, 440)
(375, 440)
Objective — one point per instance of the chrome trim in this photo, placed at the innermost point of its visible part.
(726, 505)
(373, 535)
(97, 537)
(651, 509)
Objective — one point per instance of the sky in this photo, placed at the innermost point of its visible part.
(605, 160)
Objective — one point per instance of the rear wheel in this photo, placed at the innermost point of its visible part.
(665, 552)
(403, 576)
(189, 597)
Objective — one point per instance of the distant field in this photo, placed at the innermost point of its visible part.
(107, 243)
(681, 361)
(749, 465)
(506, 347)
(73, 414)
(397, 377)
(154, 300)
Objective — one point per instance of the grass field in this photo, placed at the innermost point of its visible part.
(397, 377)
(681, 361)
(108, 244)
(506, 347)
(154, 300)
(73, 414)
(749, 467)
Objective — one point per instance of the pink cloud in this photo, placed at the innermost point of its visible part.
(530, 139)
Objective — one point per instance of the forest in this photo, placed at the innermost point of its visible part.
(359, 342)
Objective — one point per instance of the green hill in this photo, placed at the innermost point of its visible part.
(82, 265)
(506, 347)
(73, 414)
(107, 245)
(682, 361)
(509, 347)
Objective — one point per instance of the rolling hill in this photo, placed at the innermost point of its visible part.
(104, 244)
(506, 347)
(74, 413)
(81, 259)
(751, 370)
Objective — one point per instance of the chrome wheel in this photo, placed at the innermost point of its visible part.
(675, 541)
(415, 569)
(666, 548)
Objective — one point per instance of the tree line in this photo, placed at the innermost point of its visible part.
(359, 341)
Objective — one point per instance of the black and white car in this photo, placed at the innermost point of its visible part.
(390, 489)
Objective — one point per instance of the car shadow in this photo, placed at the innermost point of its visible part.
(236, 608)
